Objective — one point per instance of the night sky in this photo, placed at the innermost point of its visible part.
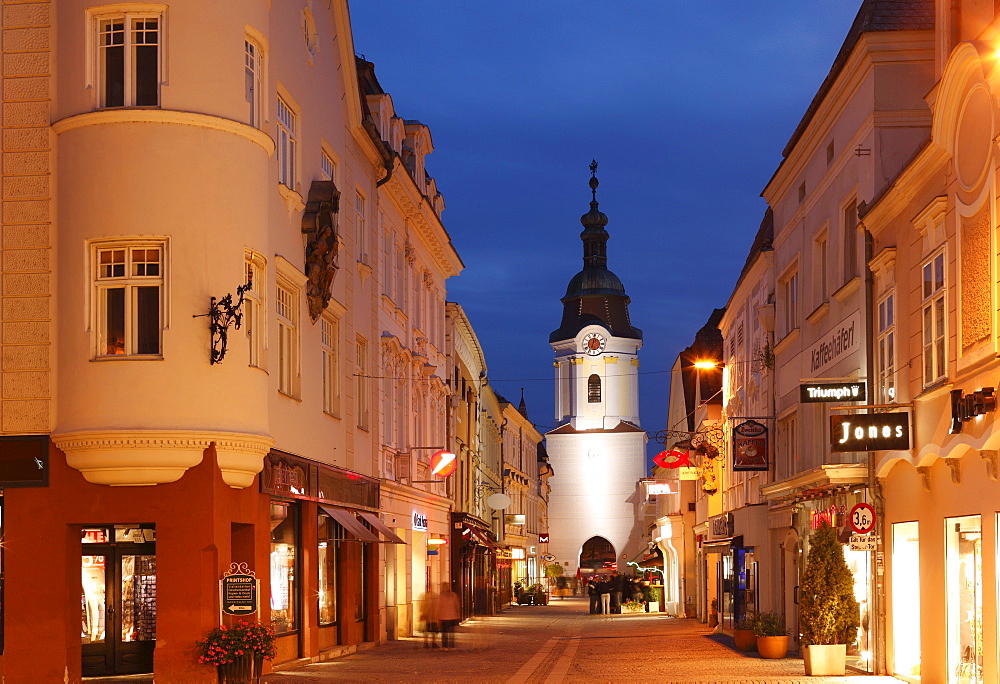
(686, 107)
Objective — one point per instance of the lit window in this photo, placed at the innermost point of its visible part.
(886, 348)
(253, 70)
(286, 312)
(329, 334)
(286, 145)
(129, 283)
(284, 567)
(129, 60)
(933, 318)
(329, 534)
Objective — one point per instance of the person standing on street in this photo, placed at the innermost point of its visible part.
(604, 586)
(595, 596)
(449, 613)
(617, 583)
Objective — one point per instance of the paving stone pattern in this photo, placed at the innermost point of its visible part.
(561, 642)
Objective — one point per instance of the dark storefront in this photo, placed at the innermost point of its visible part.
(474, 565)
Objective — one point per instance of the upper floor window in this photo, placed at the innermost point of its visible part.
(286, 311)
(253, 309)
(850, 234)
(790, 302)
(361, 214)
(594, 389)
(129, 60)
(821, 258)
(933, 318)
(129, 284)
(886, 349)
(287, 143)
(327, 167)
(329, 340)
(363, 382)
(253, 74)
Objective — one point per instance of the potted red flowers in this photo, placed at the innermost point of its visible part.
(238, 652)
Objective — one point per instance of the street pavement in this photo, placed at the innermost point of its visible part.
(561, 642)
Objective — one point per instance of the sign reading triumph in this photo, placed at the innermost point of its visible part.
(832, 391)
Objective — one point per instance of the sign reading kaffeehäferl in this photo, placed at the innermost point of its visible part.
(870, 432)
(817, 392)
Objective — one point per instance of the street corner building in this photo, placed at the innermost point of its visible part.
(225, 344)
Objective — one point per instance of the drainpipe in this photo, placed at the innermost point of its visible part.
(874, 486)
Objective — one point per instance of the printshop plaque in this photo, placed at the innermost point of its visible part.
(239, 589)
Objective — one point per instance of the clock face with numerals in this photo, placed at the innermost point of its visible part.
(594, 343)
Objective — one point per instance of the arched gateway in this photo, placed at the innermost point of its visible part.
(597, 555)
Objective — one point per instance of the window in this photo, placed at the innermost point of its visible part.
(286, 144)
(327, 167)
(886, 349)
(361, 210)
(790, 302)
(286, 311)
(284, 571)
(964, 597)
(594, 389)
(933, 313)
(850, 240)
(906, 598)
(253, 309)
(362, 384)
(787, 456)
(129, 60)
(129, 284)
(329, 336)
(329, 533)
(253, 71)
(821, 251)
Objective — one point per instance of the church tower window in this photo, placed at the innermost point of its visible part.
(594, 389)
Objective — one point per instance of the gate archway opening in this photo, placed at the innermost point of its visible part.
(598, 556)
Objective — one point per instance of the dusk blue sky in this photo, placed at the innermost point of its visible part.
(686, 107)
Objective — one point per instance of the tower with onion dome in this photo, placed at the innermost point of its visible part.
(597, 449)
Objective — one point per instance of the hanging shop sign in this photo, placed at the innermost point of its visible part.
(548, 557)
(870, 432)
(750, 446)
(672, 458)
(842, 340)
(823, 392)
(543, 537)
(657, 488)
(443, 463)
(966, 407)
(24, 461)
(239, 589)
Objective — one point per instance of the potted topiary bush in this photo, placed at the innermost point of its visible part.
(772, 637)
(828, 612)
(743, 635)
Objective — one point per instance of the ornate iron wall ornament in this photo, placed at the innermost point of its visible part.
(222, 313)
(319, 223)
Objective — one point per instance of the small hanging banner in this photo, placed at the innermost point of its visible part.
(750, 446)
(239, 589)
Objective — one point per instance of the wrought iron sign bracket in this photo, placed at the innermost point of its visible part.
(222, 314)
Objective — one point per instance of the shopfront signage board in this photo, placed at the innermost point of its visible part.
(823, 392)
(869, 432)
(862, 542)
(862, 518)
(240, 589)
(419, 522)
(543, 537)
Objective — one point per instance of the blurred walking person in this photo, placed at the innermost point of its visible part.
(449, 612)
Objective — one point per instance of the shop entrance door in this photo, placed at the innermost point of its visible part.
(119, 600)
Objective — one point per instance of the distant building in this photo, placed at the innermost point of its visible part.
(597, 449)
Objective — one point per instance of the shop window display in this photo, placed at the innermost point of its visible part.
(964, 609)
(906, 599)
(284, 576)
(860, 653)
(327, 555)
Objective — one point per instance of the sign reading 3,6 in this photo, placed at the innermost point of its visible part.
(862, 518)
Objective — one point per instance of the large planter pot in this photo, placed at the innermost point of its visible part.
(825, 661)
(772, 646)
(744, 639)
(246, 669)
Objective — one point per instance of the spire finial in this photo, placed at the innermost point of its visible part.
(593, 179)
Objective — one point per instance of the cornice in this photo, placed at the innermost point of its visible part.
(165, 116)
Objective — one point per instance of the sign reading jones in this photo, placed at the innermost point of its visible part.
(872, 432)
(832, 391)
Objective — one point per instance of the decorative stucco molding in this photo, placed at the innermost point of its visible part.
(150, 457)
(992, 458)
(956, 469)
(925, 476)
(166, 116)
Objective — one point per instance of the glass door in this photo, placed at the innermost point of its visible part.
(118, 600)
(964, 582)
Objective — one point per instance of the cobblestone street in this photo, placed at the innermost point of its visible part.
(561, 642)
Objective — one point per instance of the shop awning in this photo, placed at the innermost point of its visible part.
(648, 560)
(389, 537)
(480, 537)
(351, 524)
